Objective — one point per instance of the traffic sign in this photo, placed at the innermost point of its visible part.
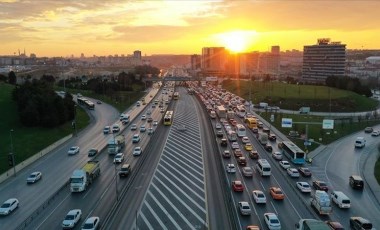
(328, 124)
(286, 122)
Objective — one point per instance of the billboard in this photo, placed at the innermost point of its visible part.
(286, 122)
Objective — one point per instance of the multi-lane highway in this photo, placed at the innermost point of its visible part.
(179, 181)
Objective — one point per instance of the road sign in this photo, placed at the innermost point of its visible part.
(328, 124)
(272, 118)
(286, 122)
(307, 143)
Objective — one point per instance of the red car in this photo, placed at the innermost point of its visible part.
(320, 185)
(237, 186)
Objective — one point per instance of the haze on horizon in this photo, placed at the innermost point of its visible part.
(98, 27)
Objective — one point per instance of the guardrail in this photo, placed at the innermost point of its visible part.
(23, 225)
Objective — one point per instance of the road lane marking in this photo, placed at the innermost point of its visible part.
(48, 216)
(154, 214)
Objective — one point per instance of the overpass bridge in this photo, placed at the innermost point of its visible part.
(173, 78)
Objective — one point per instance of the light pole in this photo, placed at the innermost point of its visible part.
(117, 191)
(12, 153)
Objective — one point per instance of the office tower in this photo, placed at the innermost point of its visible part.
(213, 61)
(323, 60)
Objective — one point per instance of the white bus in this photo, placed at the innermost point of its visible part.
(231, 135)
(240, 111)
(293, 152)
(240, 130)
(263, 167)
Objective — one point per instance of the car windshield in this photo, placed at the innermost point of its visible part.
(278, 192)
(72, 148)
(322, 184)
(274, 221)
(6, 205)
(70, 217)
(88, 226)
(32, 175)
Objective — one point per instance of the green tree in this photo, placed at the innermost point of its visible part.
(12, 78)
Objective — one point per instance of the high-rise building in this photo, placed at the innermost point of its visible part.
(195, 61)
(269, 62)
(213, 61)
(137, 54)
(323, 60)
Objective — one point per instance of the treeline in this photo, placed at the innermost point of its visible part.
(39, 106)
(350, 84)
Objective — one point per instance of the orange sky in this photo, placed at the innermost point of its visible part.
(99, 27)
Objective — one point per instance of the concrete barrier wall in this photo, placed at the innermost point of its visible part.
(33, 158)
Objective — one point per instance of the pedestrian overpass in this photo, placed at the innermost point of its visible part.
(173, 78)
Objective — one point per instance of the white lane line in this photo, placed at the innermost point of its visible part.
(193, 165)
(164, 210)
(193, 154)
(185, 142)
(189, 174)
(87, 192)
(53, 211)
(183, 217)
(275, 210)
(287, 199)
(154, 214)
(146, 221)
(185, 193)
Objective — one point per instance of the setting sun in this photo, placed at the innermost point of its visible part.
(237, 41)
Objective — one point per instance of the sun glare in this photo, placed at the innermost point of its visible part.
(237, 41)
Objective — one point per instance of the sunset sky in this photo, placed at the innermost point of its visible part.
(108, 27)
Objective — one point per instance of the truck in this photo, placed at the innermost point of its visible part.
(311, 224)
(230, 114)
(304, 110)
(221, 111)
(321, 201)
(263, 138)
(83, 177)
(116, 144)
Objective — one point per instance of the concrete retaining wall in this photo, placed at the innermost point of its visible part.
(32, 159)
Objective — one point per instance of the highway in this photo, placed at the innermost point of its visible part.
(179, 181)
(339, 161)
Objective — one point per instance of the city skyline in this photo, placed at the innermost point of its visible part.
(62, 28)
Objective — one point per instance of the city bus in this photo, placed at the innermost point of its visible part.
(168, 118)
(240, 130)
(176, 95)
(293, 152)
(240, 111)
(231, 135)
(85, 102)
(251, 122)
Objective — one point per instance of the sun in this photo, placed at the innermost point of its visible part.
(237, 41)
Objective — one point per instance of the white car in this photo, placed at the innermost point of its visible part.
(303, 186)
(155, 123)
(8, 206)
(231, 168)
(115, 128)
(143, 117)
(72, 218)
(293, 172)
(235, 145)
(247, 171)
(244, 208)
(218, 126)
(284, 164)
(92, 223)
(150, 131)
(135, 138)
(259, 197)
(277, 155)
(142, 128)
(73, 150)
(375, 133)
(272, 221)
(34, 177)
(245, 140)
(107, 129)
(137, 151)
(118, 158)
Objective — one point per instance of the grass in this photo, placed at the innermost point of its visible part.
(291, 96)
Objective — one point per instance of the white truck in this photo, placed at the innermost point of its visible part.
(221, 111)
(312, 224)
(304, 110)
(116, 144)
(321, 202)
(83, 177)
(263, 138)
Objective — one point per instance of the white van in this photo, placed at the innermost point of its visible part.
(360, 142)
(263, 167)
(212, 114)
(340, 199)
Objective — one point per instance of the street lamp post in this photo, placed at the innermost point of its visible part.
(12, 153)
(117, 191)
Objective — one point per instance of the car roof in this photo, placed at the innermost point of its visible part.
(73, 212)
(92, 219)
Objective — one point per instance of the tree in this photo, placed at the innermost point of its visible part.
(12, 78)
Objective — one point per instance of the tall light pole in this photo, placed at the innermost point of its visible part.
(12, 153)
